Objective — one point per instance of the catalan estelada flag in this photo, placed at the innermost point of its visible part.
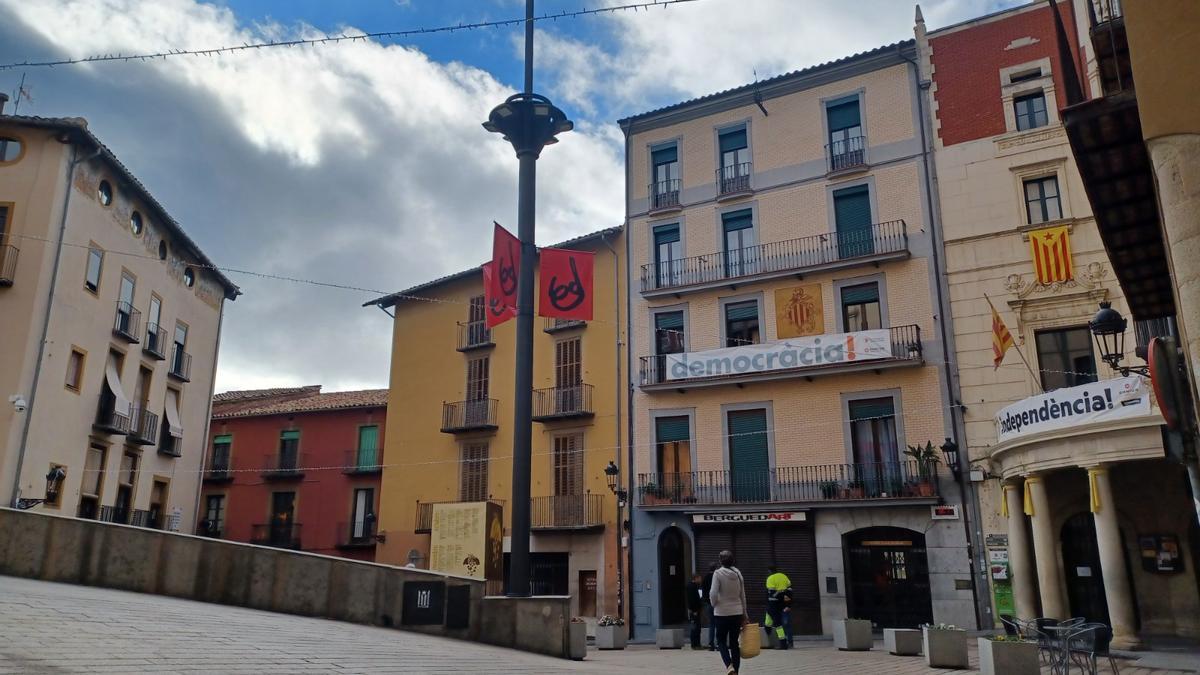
(1051, 250)
(1002, 340)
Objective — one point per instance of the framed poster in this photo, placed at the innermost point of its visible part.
(1160, 553)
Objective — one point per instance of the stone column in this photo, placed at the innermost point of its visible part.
(1021, 567)
(1112, 559)
(1045, 549)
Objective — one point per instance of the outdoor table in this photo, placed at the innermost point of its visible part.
(1060, 660)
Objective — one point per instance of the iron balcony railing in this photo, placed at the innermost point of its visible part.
(8, 264)
(733, 179)
(170, 446)
(156, 341)
(777, 257)
(1104, 11)
(181, 364)
(279, 535)
(474, 335)
(567, 512)
(114, 514)
(109, 419)
(424, 520)
(354, 535)
(361, 462)
(562, 402)
(219, 469)
(556, 325)
(849, 153)
(469, 415)
(1106, 26)
(791, 484)
(283, 465)
(664, 194)
(905, 343)
(127, 322)
(143, 426)
(208, 528)
(148, 519)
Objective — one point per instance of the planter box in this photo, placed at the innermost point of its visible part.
(577, 646)
(1008, 658)
(611, 637)
(853, 635)
(902, 641)
(669, 638)
(768, 639)
(944, 648)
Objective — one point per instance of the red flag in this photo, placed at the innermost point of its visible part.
(566, 284)
(501, 289)
(496, 311)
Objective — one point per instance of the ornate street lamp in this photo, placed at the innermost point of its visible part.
(612, 473)
(54, 481)
(1108, 328)
(950, 452)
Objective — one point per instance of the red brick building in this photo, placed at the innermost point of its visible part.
(295, 468)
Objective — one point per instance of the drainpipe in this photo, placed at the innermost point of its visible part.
(971, 513)
(629, 392)
(37, 368)
(212, 390)
(617, 394)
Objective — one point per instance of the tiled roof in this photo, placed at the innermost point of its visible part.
(78, 127)
(317, 402)
(250, 394)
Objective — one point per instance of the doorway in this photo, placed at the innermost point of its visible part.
(283, 511)
(587, 593)
(674, 570)
(1081, 564)
(887, 577)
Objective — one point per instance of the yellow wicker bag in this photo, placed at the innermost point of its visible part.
(750, 641)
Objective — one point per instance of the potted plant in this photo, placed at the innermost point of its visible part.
(853, 635)
(1008, 655)
(651, 494)
(856, 489)
(829, 489)
(945, 646)
(610, 633)
(927, 460)
(577, 639)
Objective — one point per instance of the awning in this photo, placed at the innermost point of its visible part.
(121, 401)
(173, 426)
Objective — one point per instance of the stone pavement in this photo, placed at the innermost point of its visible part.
(61, 628)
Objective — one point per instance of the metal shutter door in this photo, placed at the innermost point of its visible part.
(752, 550)
(796, 556)
(710, 541)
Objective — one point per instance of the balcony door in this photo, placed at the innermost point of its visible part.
(852, 215)
(749, 455)
(735, 160)
(876, 449)
(126, 480)
(665, 190)
(289, 450)
(476, 411)
(845, 135)
(363, 516)
(673, 447)
(741, 254)
(125, 306)
(668, 256)
(477, 330)
(668, 339)
(568, 480)
(283, 518)
(368, 447)
(473, 480)
(568, 375)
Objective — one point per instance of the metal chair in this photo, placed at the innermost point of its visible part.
(1011, 627)
(1046, 641)
(1076, 621)
(1089, 642)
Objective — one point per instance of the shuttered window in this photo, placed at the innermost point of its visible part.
(368, 446)
(568, 465)
(477, 379)
(474, 472)
(741, 323)
(733, 140)
(861, 309)
(568, 363)
(844, 116)
(749, 455)
(672, 429)
(873, 433)
(289, 447)
(668, 333)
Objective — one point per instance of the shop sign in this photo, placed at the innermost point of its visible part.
(1118, 398)
(944, 512)
(776, 517)
(798, 352)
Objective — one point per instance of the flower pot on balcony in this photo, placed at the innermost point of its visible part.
(853, 635)
(577, 639)
(925, 488)
(944, 646)
(611, 637)
(1008, 657)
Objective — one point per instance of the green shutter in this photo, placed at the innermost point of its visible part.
(863, 293)
(290, 435)
(666, 234)
(737, 311)
(670, 429)
(223, 438)
(734, 139)
(852, 208)
(749, 455)
(668, 321)
(871, 408)
(739, 220)
(843, 115)
(368, 438)
(664, 155)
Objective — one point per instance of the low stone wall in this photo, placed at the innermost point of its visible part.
(72, 550)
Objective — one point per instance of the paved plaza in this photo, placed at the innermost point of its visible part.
(61, 628)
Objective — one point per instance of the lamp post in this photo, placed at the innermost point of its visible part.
(529, 122)
(950, 452)
(612, 475)
(1108, 329)
(54, 481)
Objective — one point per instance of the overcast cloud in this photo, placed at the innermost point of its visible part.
(364, 164)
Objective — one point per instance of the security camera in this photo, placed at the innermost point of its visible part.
(19, 403)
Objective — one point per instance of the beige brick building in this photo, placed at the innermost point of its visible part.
(785, 350)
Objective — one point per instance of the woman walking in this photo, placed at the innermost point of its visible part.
(728, 598)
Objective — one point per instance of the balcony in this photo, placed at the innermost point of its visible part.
(156, 342)
(181, 365)
(143, 426)
(170, 446)
(147, 519)
(1106, 26)
(218, 471)
(463, 416)
(207, 528)
(567, 512)
(108, 419)
(367, 464)
(357, 535)
(733, 181)
(562, 403)
(114, 514)
(559, 325)
(424, 520)
(279, 535)
(8, 264)
(809, 485)
(839, 353)
(664, 195)
(474, 335)
(288, 466)
(805, 255)
(127, 322)
(846, 156)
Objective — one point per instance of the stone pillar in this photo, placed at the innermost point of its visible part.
(1045, 549)
(1112, 559)
(1019, 563)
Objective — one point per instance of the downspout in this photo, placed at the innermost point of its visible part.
(971, 514)
(629, 393)
(617, 395)
(37, 368)
(212, 390)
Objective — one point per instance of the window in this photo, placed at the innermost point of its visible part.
(477, 330)
(10, 149)
(673, 449)
(93, 479)
(289, 449)
(741, 323)
(189, 277)
(1042, 202)
(668, 332)
(668, 256)
(221, 450)
(95, 262)
(179, 357)
(154, 341)
(126, 481)
(852, 220)
(734, 174)
(125, 322)
(846, 143)
(664, 190)
(477, 392)
(749, 455)
(568, 376)
(368, 447)
(135, 223)
(75, 363)
(171, 440)
(162, 250)
(568, 465)
(214, 516)
(362, 515)
(1030, 111)
(741, 256)
(860, 307)
(158, 504)
(474, 479)
(105, 193)
(1065, 357)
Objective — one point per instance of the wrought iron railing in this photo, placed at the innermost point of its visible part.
(664, 194)
(559, 402)
(733, 179)
(127, 322)
(8, 264)
(474, 335)
(778, 256)
(143, 426)
(156, 341)
(219, 468)
(469, 415)
(362, 462)
(350, 535)
(791, 484)
(148, 519)
(424, 519)
(181, 364)
(846, 154)
(114, 514)
(109, 419)
(1104, 11)
(282, 465)
(279, 535)
(905, 342)
(567, 512)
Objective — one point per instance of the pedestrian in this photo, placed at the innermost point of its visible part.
(728, 597)
(708, 609)
(695, 606)
(779, 610)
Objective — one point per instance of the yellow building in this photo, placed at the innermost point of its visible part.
(784, 304)
(450, 425)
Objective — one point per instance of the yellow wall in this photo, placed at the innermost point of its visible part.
(1165, 55)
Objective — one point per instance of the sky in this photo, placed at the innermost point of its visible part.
(364, 164)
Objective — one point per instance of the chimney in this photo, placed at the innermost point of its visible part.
(3, 100)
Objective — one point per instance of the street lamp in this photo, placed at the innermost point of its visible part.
(1108, 328)
(611, 473)
(950, 452)
(54, 481)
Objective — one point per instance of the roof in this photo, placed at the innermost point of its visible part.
(253, 394)
(778, 85)
(391, 299)
(77, 127)
(313, 402)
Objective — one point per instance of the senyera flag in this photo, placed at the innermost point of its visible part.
(495, 311)
(500, 285)
(566, 284)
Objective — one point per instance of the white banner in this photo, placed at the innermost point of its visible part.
(1113, 399)
(799, 352)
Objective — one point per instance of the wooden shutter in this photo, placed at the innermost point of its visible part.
(568, 465)
(844, 116)
(477, 379)
(749, 455)
(474, 472)
(567, 363)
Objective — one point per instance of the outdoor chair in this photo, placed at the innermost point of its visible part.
(1047, 642)
(1087, 644)
(1011, 627)
(1077, 621)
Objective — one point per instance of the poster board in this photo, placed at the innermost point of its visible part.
(467, 539)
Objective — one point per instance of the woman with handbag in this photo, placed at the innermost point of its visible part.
(728, 598)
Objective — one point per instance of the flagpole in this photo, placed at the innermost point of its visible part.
(1036, 380)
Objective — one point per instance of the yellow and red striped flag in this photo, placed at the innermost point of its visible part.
(1002, 340)
(1051, 250)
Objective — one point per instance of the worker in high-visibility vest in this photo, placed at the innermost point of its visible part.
(779, 606)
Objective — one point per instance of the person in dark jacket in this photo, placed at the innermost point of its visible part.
(712, 625)
(695, 607)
